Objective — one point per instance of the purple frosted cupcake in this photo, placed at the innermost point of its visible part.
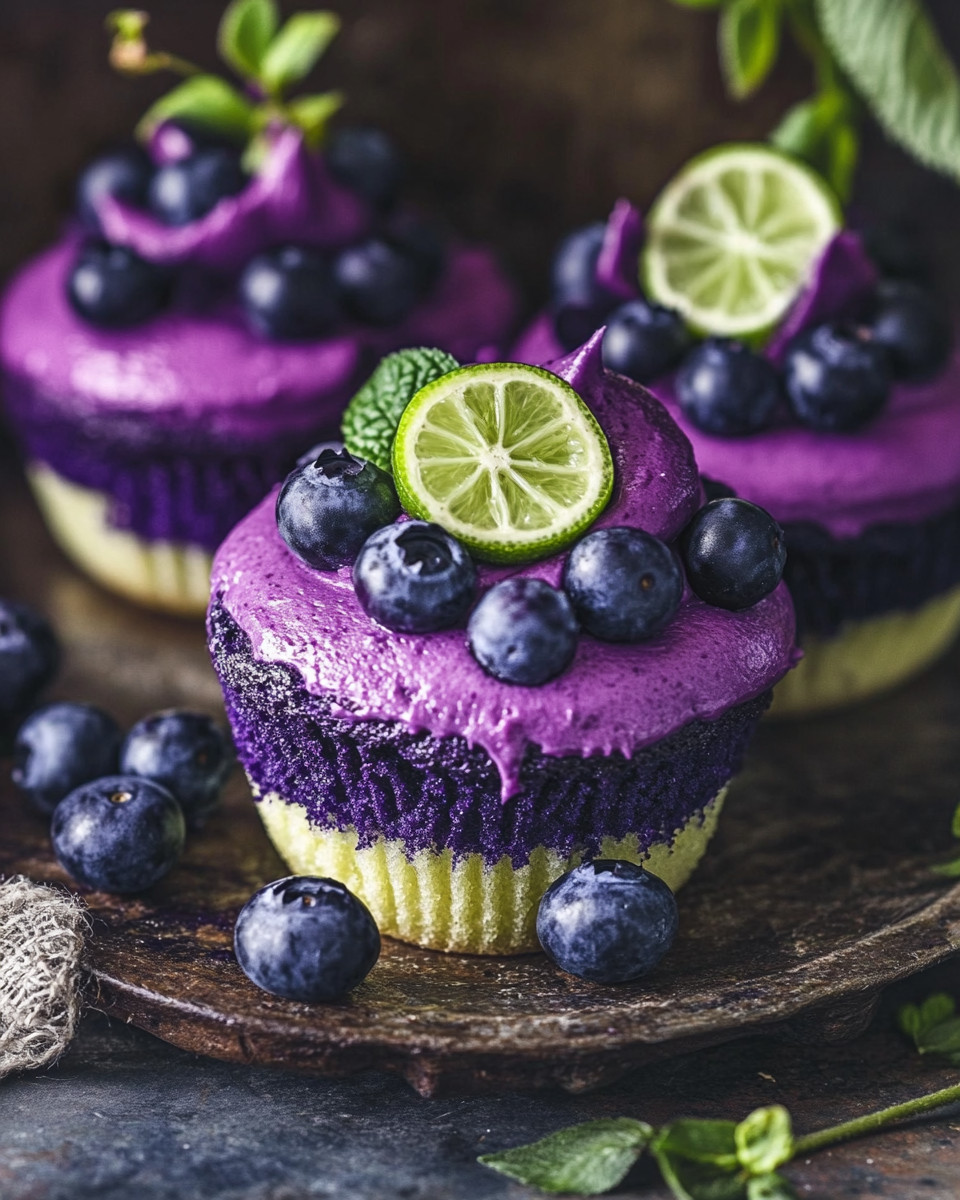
(208, 315)
(448, 768)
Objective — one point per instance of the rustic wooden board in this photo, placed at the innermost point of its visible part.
(817, 894)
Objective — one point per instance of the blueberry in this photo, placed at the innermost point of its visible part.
(328, 508)
(124, 174)
(523, 631)
(724, 388)
(118, 834)
(424, 245)
(914, 330)
(29, 658)
(112, 287)
(414, 578)
(624, 584)
(578, 302)
(837, 377)
(185, 752)
(367, 161)
(379, 282)
(184, 191)
(59, 747)
(734, 553)
(643, 340)
(608, 920)
(306, 939)
(289, 293)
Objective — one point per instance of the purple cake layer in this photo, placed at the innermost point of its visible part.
(434, 793)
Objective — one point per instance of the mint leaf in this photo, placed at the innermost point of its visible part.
(312, 113)
(943, 1039)
(370, 422)
(955, 823)
(587, 1159)
(916, 1021)
(294, 52)
(764, 1140)
(749, 34)
(950, 870)
(822, 131)
(894, 58)
(246, 30)
(699, 1181)
(206, 99)
(770, 1187)
(700, 1141)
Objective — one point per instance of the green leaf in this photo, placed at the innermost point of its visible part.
(698, 1180)
(370, 422)
(917, 1021)
(127, 23)
(206, 99)
(764, 1140)
(749, 36)
(955, 823)
(246, 30)
(823, 133)
(312, 113)
(294, 52)
(941, 1039)
(894, 58)
(587, 1159)
(700, 1141)
(949, 870)
(770, 1187)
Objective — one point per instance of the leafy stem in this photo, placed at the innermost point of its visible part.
(871, 1122)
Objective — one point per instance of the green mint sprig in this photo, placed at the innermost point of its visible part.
(933, 1026)
(269, 58)
(951, 868)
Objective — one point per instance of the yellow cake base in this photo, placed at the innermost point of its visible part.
(167, 576)
(867, 657)
(462, 906)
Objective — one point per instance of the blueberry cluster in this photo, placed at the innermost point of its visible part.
(619, 584)
(290, 292)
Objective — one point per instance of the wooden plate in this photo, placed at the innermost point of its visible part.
(817, 893)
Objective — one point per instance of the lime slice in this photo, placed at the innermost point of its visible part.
(733, 238)
(505, 457)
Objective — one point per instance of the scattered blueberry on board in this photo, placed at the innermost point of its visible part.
(61, 746)
(113, 287)
(523, 631)
(185, 752)
(379, 282)
(29, 659)
(608, 921)
(644, 341)
(724, 388)
(734, 553)
(186, 190)
(913, 329)
(307, 939)
(328, 508)
(367, 161)
(289, 293)
(124, 174)
(837, 377)
(118, 834)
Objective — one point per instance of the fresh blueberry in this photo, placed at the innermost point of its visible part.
(579, 304)
(289, 293)
(112, 287)
(414, 578)
(367, 161)
(523, 631)
(837, 377)
(124, 174)
(306, 939)
(185, 752)
(726, 389)
(59, 747)
(184, 191)
(643, 340)
(624, 584)
(379, 282)
(29, 658)
(424, 245)
(734, 553)
(609, 921)
(118, 834)
(328, 508)
(914, 330)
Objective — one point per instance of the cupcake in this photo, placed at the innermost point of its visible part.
(221, 292)
(447, 712)
(833, 405)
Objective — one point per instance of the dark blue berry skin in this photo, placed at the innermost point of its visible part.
(914, 330)
(578, 303)
(328, 507)
(608, 921)
(837, 377)
(61, 746)
(185, 191)
(306, 939)
(289, 294)
(29, 659)
(624, 584)
(114, 288)
(425, 246)
(643, 341)
(379, 282)
(523, 631)
(734, 553)
(119, 834)
(725, 389)
(366, 161)
(124, 173)
(185, 752)
(414, 578)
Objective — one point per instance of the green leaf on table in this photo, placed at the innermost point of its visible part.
(312, 114)
(706, 1141)
(207, 100)
(588, 1159)
(246, 30)
(942, 1039)
(770, 1187)
(893, 56)
(295, 50)
(749, 38)
(932, 1026)
(688, 1180)
(764, 1140)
